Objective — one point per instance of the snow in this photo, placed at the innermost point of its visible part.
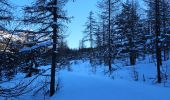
(82, 84)
(7, 35)
(77, 87)
(148, 42)
(85, 83)
(43, 44)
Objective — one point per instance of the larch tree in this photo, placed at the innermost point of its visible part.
(130, 34)
(89, 32)
(5, 13)
(165, 19)
(158, 18)
(108, 10)
(48, 17)
(6, 16)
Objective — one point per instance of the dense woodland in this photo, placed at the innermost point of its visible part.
(120, 30)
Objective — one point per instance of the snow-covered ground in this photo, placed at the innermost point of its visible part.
(83, 83)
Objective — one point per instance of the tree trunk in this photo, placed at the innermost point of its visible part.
(158, 49)
(132, 58)
(110, 56)
(53, 66)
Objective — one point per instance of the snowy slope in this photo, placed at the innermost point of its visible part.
(81, 87)
(6, 35)
(83, 84)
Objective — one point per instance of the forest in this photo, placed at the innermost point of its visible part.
(123, 54)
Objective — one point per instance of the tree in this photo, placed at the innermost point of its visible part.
(90, 29)
(81, 44)
(5, 12)
(48, 16)
(5, 18)
(130, 35)
(108, 11)
(164, 17)
(98, 36)
(159, 21)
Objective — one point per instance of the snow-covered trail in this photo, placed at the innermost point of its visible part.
(87, 87)
(82, 84)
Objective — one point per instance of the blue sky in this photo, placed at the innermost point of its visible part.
(79, 10)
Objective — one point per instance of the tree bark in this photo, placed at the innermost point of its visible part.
(132, 58)
(158, 49)
(109, 44)
(53, 66)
